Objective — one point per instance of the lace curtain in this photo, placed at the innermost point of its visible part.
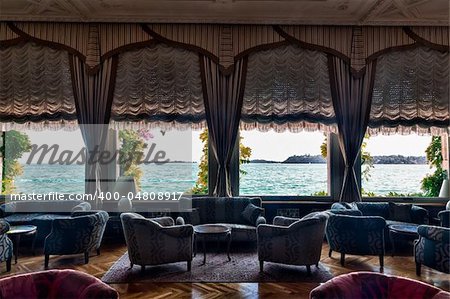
(35, 87)
(411, 93)
(288, 88)
(158, 86)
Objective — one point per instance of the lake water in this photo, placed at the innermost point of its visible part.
(261, 179)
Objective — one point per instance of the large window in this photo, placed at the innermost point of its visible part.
(38, 172)
(395, 165)
(283, 163)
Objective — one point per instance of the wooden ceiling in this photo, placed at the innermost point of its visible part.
(336, 12)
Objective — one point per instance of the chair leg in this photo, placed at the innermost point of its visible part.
(317, 265)
(8, 265)
(142, 269)
(46, 259)
(381, 262)
(261, 266)
(98, 251)
(418, 268)
(131, 265)
(330, 252)
(86, 257)
(308, 270)
(189, 265)
(342, 259)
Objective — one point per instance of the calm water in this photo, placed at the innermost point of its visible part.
(261, 179)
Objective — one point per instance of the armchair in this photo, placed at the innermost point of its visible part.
(360, 235)
(79, 234)
(292, 241)
(6, 245)
(157, 241)
(432, 249)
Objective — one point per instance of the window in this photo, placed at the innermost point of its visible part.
(283, 163)
(35, 172)
(395, 165)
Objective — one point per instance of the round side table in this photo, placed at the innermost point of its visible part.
(16, 232)
(211, 230)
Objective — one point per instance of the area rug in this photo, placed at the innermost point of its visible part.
(243, 267)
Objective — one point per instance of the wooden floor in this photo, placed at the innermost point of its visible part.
(98, 265)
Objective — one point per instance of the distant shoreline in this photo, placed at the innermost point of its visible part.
(318, 159)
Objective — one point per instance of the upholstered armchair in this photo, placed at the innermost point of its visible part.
(55, 284)
(6, 245)
(292, 241)
(444, 217)
(432, 249)
(359, 235)
(78, 234)
(375, 285)
(157, 241)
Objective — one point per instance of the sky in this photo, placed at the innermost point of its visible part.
(265, 145)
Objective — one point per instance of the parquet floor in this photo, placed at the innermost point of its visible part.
(98, 265)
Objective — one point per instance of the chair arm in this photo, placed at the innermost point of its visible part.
(179, 231)
(435, 233)
(268, 230)
(419, 215)
(164, 221)
(347, 212)
(284, 221)
(180, 221)
(260, 220)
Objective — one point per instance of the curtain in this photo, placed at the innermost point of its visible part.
(352, 97)
(158, 86)
(223, 96)
(287, 88)
(93, 98)
(411, 92)
(35, 86)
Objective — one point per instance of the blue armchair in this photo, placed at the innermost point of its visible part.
(77, 234)
(432, 249)
(6, 245)
(359, 235)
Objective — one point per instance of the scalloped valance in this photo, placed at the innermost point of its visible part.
(224, 44)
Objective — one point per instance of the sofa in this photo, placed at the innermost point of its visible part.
(6, 245)
(55, 284)
(80, 233)
(292, 241)
(432, 249)
(371, 285)
(40, 213)
(359, 235)
(229, 211)
(157, 241)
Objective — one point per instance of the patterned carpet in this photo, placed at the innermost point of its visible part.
(243, 267)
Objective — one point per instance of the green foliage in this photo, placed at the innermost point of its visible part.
(320, 193)
(201, 185)
(15, 145)
(131, 153)
(432, 183)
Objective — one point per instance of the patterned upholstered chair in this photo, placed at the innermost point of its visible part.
(432, 249)
(359, 235)
(6, 245)
(157, 241)
(292, 241)
(80, 233)
(55, 284)
(371, 285)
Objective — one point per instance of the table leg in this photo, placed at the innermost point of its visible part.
(228, 247)
(204, 250)
(16, 247)
(195, 245)
(33, 244)
(392, 242)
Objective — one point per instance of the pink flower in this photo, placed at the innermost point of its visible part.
(145, 134)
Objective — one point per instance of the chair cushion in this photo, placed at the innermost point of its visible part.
(400, 212)
(251, 213)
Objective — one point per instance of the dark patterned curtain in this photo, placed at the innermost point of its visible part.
(352, 97)
(223, 96)
(93, 98)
